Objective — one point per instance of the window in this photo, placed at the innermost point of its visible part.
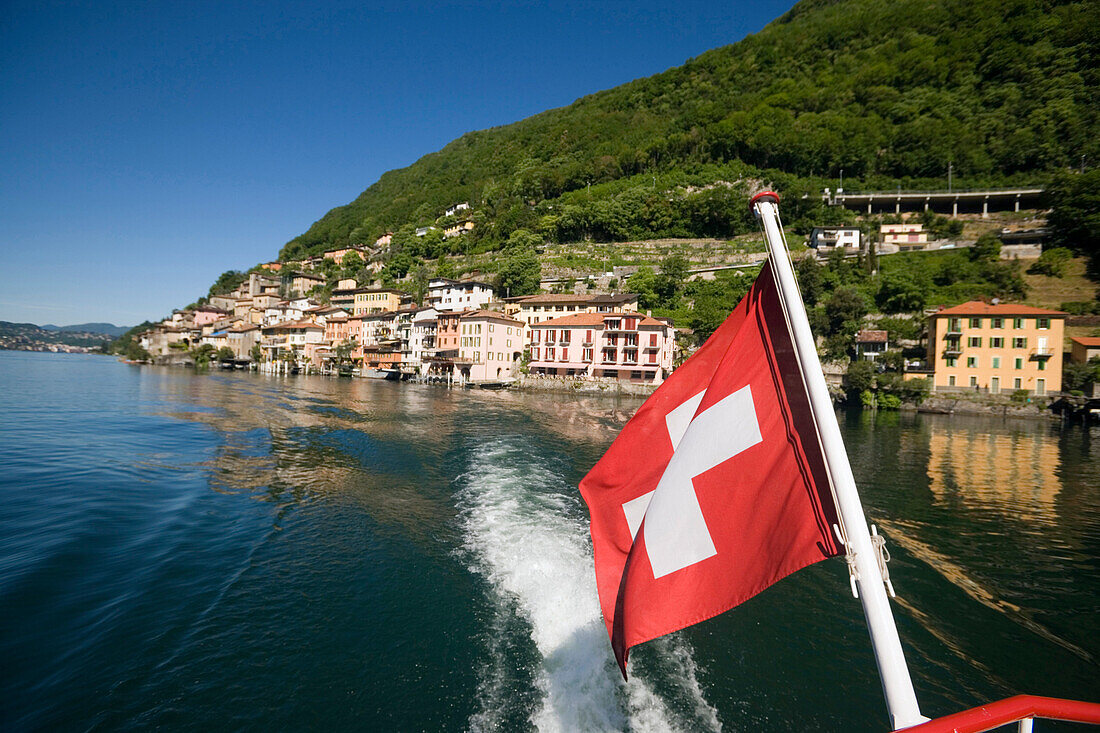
(550, 336)
(1019, 343)
(1042, 364)
(653, 340)
(631, 339)
(609, 356)
(1017, 323)
(975, 322)
(1043, 323)
(1019, 363)
(535, 335)
(972, 362)
(996, 362)
(951, 381)
(1017, 383)
(535, 354)
(630, 356)
(586, 355)
(974, 342)
(996, 343)
(955, 324)
(997, 323)
(550, 353)
(565, 335)
(612, 340)
(973, 381)
(630, 323)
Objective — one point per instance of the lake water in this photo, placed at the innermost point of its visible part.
(233, 551)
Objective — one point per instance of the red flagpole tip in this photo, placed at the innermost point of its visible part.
(764, 196)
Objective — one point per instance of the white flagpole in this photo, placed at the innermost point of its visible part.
(901, 700)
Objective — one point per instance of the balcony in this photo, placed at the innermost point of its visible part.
(952, 350)
(1041, 354)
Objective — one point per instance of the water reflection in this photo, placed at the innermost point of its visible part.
(1015, 473)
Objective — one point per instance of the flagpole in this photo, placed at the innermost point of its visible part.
(897, 686)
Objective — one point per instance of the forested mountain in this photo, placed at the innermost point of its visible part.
(892, 91)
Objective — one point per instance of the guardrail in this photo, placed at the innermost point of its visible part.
(1021, 708)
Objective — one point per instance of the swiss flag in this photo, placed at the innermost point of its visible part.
(716, 488)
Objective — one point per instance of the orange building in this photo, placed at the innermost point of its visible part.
(996, 348)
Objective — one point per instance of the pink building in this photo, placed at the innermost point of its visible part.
(208, 314)
(625, 346)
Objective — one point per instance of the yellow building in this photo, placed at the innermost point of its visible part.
(368, 300)
(996, 348)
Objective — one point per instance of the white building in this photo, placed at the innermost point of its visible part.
(451, 295)
(490, 346)
(457, 208)
(824, 239)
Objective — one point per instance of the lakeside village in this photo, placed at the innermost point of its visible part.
(463, 333)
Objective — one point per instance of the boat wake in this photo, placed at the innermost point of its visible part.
(525, 533)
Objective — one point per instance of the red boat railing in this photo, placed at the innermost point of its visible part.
(1020, 708)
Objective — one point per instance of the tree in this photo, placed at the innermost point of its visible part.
(136, 352)
(227, 281)
(420, 281)
(860, 376)
(520, 271)
(901, 291)
(225, 354)
(1075, 217)
(844, 309)
(809, 279)
(986, 249)
(256, 353)
(202, 355)
(1052, 262)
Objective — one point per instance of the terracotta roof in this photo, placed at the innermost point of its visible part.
(1090, 341)
(596, 319)
(871, 337)
(555, 298)
(295, 324)
(978, 308)
(495, 315)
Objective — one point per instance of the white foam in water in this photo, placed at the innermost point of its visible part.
(537, 559)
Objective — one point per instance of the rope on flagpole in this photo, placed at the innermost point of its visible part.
(838, 528)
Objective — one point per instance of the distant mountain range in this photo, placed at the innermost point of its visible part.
(29, 337)
(109, 329)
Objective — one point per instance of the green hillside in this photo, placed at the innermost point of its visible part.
(889, 91)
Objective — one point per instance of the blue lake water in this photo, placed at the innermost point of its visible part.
(230, 551)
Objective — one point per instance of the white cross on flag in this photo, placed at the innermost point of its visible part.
(716, 488)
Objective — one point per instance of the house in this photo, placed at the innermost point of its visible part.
(384, 240)
(241, 338)
(825, 239)
(1084, 348)
(265, 301)
(205, 314)
(258, 284)
(377, 300)
(871, 344)
(457, 208)
(290, 337)
(302, 283)
(452, 295)
(625, 346)
(416, 328)
(490, 346)
(533, 309)
(905, 236)
(272, 266)
(343, 298)
(225, 302)
(339, 253)
(346, 283)
(422, 231)
(459, 227)
(996, 347)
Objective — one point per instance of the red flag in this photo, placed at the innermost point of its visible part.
(716, 488)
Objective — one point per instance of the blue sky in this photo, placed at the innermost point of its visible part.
(147, 147)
